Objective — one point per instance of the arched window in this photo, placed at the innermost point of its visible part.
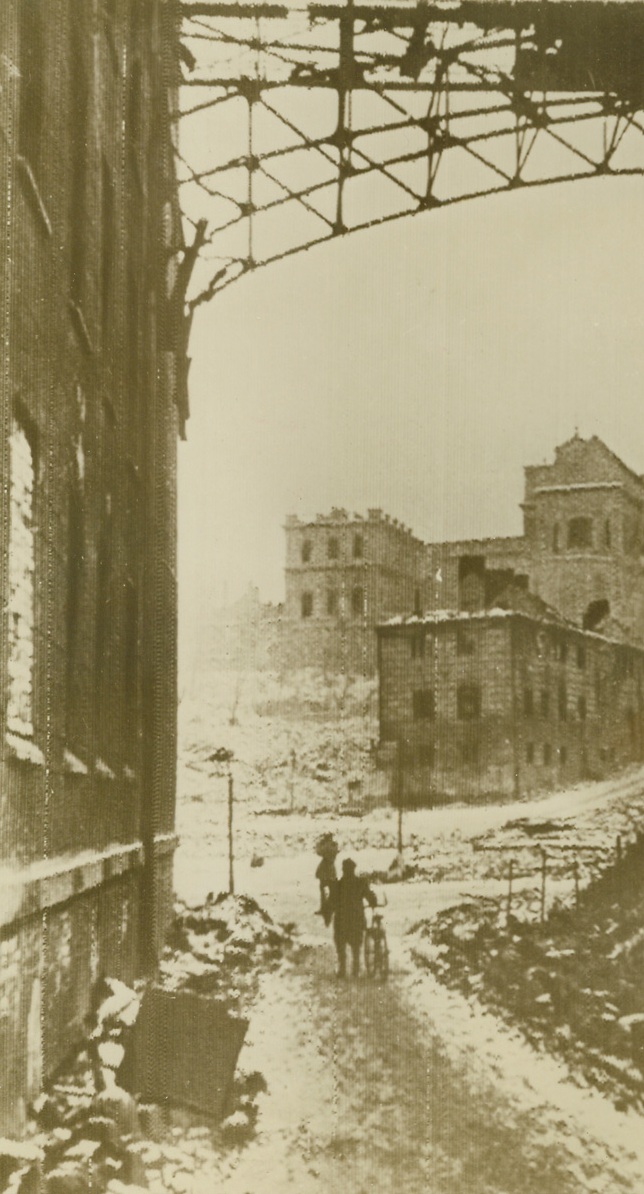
(580, 533)
(596, 613)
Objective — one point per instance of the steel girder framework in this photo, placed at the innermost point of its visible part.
(301, 124)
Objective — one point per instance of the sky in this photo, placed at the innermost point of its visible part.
(416, 367)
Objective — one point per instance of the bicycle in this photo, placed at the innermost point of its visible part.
(376, 950)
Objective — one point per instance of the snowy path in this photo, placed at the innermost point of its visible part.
(401, 1086)
(405, 1086)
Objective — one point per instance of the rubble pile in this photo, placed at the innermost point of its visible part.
(87, 1132)
(574, 983)
(218, 948)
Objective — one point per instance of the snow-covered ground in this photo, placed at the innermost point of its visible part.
(410, 1086)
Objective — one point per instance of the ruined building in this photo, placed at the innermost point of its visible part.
(504, 702)
(526, 669)
(581, 552)
(343, 575)
(92, 393)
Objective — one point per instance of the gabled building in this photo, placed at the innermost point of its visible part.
(92, 399)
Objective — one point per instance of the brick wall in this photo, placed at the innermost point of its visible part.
(88, 574)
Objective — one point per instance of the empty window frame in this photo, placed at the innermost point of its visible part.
(305, 551)
(464, 642)
(33, 60)
(424, 704)
(417, 643)
(468, 702)
(358, 547)
(580, 533)
(357, 600)
(21, 595)
(333, 548)
(306, 605)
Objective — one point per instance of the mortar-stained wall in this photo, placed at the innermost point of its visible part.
(87, 572)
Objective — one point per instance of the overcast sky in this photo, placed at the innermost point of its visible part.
(417, 367)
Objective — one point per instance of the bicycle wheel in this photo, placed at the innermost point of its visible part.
(382, 958)
(369, 952)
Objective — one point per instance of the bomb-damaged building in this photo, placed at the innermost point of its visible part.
(525, 670)
(93, 396)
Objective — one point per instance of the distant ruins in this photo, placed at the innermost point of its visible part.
(581, 553)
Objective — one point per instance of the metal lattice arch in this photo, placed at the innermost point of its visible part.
(304, 123)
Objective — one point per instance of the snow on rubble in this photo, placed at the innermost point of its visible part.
(218, 947)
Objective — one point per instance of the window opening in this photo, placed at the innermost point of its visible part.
(32, 74)
(21, 599)
(580, 533)
(307, 604)
(357, 600)
(424, 704)
(468, 702)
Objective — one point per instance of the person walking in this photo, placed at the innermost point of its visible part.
(348, 898)
(327, 848)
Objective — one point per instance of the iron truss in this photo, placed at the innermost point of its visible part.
(300, 124)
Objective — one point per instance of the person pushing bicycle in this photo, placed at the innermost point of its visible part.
(347, 903)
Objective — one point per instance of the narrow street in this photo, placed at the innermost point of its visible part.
(403, 1085)
(379, 1086)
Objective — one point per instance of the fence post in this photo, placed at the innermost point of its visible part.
(510, 874)
(544, 863)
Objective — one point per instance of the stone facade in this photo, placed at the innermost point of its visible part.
(92, 400)
(343, 575)
(582, 550)
(582, 553)
(481, 705)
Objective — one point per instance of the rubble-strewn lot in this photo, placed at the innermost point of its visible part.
(88, 1133)
(298, 741)
(574, 983)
